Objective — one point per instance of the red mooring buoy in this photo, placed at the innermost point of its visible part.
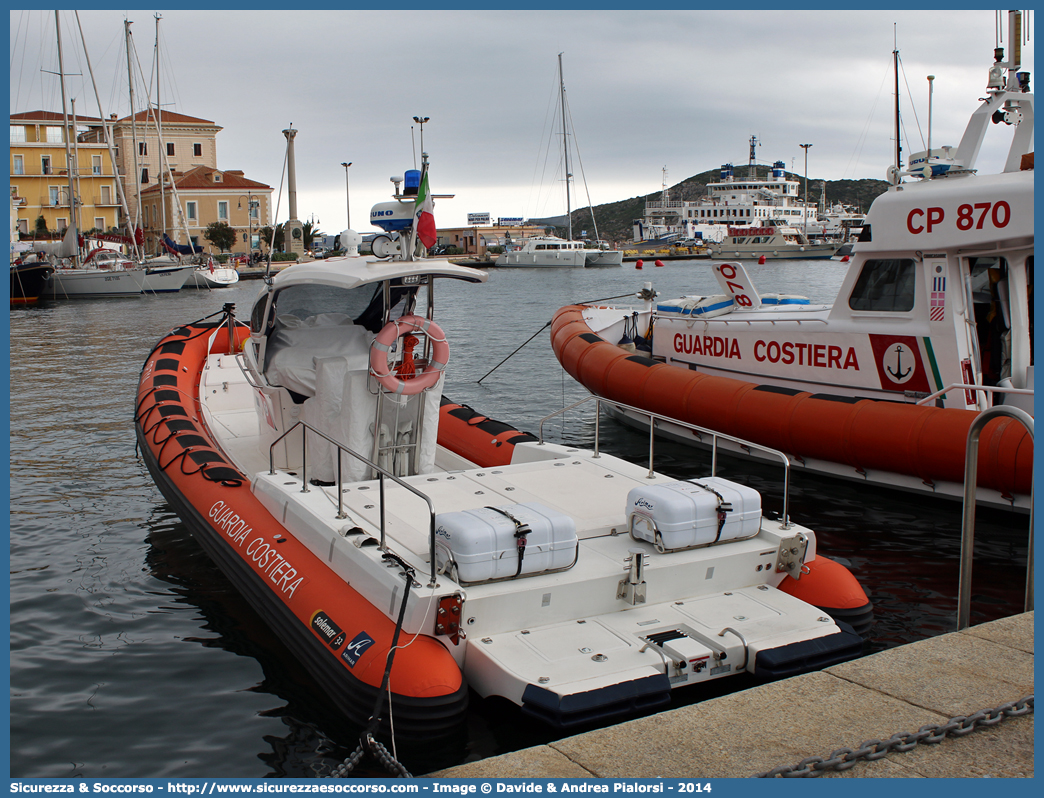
(638, 264)
(658, 262)
(761, 259)
(844, 259)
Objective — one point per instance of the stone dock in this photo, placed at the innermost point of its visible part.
(779, 724)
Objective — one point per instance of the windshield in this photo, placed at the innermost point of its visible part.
(364, 305)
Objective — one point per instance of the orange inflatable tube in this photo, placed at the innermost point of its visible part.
(925, 442)
(475, 437)
(339, 636)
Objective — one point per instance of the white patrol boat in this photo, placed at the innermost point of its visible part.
(309, 454)
(935, 313)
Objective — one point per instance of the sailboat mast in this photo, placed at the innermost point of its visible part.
(898, 144)
(76, 214)
(134, 127)
(159, 117)
(107, 126)
(565, 146)
(65, 126)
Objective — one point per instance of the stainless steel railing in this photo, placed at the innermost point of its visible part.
(971, 474)
(987, 389)
(655, 417)
(382, 474)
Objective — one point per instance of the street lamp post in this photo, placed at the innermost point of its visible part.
(347, 195)
(420, 120)
(252, 204)
(805, 215)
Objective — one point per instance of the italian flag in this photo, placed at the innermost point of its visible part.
(424, 218)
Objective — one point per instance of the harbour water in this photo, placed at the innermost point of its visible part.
(132, 655)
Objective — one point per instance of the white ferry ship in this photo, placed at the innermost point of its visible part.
(731, 202)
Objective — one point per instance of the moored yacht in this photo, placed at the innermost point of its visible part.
(555, 252)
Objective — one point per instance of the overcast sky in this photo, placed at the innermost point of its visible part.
(645, 90)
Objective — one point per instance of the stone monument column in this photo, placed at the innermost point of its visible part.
(293, 232)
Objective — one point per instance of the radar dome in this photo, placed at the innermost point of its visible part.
(350, 241)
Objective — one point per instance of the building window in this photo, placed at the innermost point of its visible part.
(45, 164)
(54, 135)
(197, 150)
(253, 209)
(190, 211)
(194, 240)
(156, 220)
(143, 148)
(170, 149)
(99, 223)
(96, 164)
(18, 134)
(223, 211)
(145, 175)
(18, 168)
(52, 195)
(106, 195)
(23, 226)
(217, 177)
(62, 224)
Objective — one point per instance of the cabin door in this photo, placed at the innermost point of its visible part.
(996, 289)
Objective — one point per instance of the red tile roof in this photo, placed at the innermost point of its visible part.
(202, 179)
(168, 116)
(53, 116)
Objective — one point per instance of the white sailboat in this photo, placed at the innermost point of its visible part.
(552, 251)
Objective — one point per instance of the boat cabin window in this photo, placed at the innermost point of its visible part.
(885, 285)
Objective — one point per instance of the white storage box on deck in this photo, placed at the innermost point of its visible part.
(685, 514)
(483, 544)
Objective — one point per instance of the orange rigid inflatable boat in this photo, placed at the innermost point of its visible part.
(925, 442)
(342, 639)
(411, 552)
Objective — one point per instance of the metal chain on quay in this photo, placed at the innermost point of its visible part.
(367, 743)
(870, 750)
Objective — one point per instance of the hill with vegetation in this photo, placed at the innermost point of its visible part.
(615, 220)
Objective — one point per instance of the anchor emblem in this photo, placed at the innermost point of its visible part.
(896, 374)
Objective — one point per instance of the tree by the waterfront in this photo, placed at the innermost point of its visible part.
(221, 235)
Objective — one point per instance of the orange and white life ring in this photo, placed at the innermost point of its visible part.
(382, 345)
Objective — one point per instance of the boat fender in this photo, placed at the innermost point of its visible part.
(626, 343)
(826, 584)
(382, 345)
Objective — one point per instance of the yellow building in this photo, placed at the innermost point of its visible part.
(206, 195)
(40, 179)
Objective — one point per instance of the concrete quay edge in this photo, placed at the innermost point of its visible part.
(781, 723)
